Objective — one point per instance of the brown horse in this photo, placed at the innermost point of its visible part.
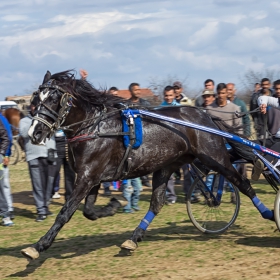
(13, 116)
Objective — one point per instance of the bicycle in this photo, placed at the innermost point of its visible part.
(204, 202)
(15, 151)
(208, 209)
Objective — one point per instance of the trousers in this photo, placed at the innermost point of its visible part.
(4, 209)
(42, 178)
(69, 175)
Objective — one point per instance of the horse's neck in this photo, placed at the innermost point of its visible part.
(76, 115)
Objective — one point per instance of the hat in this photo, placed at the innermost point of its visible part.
(208, 92)
(177, 84)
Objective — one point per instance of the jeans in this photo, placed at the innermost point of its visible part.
(7, 188)
(4, 210)
(210, 180)
(131, 191)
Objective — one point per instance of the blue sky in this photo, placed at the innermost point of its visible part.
(121, 41)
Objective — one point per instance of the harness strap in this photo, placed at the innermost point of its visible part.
(46, 113)
(53, 87)
(120, 168)
(43, 121)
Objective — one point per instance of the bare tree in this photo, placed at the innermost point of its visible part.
(32, 88)
(251, 77)
(157, 84)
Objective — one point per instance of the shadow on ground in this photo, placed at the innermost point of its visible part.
(259, 241)
(82, 245)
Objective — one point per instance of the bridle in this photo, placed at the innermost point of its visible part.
(66, 103)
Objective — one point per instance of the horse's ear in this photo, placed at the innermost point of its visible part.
(47, 77)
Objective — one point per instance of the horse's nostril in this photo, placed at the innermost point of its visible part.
(37, 134)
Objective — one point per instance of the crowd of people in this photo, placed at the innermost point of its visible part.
(44, 162)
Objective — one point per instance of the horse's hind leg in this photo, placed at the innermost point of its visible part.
(82, 187)
(228, 171)
(160, 179)
(109, 210)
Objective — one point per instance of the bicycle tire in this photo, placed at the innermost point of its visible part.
(221, 226)
(15, 151)
(277, 210)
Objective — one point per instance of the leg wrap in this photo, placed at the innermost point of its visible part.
(147, 220)
(265, 212)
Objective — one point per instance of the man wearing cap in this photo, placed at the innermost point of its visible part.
(208, 97)
(180, 97)
(208, 85)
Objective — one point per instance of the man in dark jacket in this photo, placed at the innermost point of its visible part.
(259, 117)
(62, 159)
(135, 92)
(4, 144)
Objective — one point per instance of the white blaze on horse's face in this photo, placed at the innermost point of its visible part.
(43, 95)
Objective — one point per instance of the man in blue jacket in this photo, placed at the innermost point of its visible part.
(6, 182)
(4, 144)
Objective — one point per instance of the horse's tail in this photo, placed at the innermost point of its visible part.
(240, 151)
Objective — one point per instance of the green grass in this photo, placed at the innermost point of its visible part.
(172, 248)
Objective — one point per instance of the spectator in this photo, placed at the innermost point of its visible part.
(256, 88)
(231, 90)
(208, 85)
(180, 97)
(41, 163)
(83, 74)
(259, 118)
(273, 114)
(6, 181)
(169, 100)
(208, 97)
(226, 111)
(4, 146)
(273, 128)
(62, 159)
(114, 91)
(245, 121)
(135, 92)
(131, 191)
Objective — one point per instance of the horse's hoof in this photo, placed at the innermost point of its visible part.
(30, 253)
(123, 201)
(129, 245)
(126, 252)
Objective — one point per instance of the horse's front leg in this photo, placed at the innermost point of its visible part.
(82, 186)
(109, 210)
(160, 179)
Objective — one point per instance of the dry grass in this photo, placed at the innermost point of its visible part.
(173, 248)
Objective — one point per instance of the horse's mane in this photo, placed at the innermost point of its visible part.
(85, 93)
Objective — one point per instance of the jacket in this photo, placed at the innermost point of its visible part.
(245, 119)
(141, 101)
(34, 151)
(4, 138)
(9, 132)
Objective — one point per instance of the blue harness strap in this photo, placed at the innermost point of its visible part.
(126, 115)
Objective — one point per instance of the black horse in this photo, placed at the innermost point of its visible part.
(92, 123)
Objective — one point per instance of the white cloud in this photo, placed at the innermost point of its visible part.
(255, 39)
(204, 34)
(15, 18)
(259, 15)
(119, 40)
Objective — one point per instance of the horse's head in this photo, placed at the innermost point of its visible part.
(52, 104)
